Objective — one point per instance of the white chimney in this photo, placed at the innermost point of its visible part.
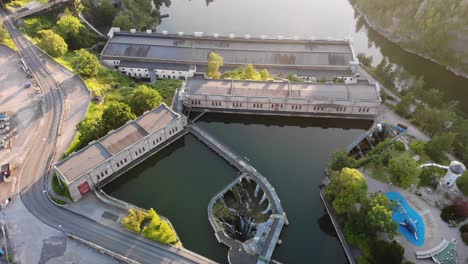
(180, 33)
(132, 30)
(165, 32)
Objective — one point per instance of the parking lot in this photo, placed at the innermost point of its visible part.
(23, 107)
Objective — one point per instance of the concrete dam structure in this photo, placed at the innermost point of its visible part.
(171, 56)
(360, 100)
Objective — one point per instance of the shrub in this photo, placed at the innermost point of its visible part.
(462, 183)
(134, 220)
(85, 63)
(400, 146)
(449, 214)
(53, 43)
(159, 230)
(464, 233)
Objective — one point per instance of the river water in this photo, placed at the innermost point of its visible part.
(291, 152)
(304, 18)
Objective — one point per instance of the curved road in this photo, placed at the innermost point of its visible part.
(41, 156)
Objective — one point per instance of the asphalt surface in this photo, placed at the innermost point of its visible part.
(41, 156)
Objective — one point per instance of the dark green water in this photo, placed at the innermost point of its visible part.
(290, 152)
(178, 182)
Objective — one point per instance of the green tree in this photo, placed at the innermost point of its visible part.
(264, 75)
(386, 253)
(439, 145)
(366, 61)
(251, 73)
(122, 21)
(378, 215)
(115, 115)
(69, 26)
(418, 146)
(462, 183)
(215, 61)
(434, 97)
(341, 160)
(106, 11)
(404, 170)
(346, 189)
(52, 43)
(85, 63)
(89, 129)
(144, 99)
(403, 107)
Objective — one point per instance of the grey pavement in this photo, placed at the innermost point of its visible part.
(24, 108)
(34, 242)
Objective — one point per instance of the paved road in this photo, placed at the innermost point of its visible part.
(40, 157)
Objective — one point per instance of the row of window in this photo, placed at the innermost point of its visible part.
(277, 106)
(139, 151)
(318, 108)
(172, 131)
(257, 105)
(364, 109)
(195, 102)
(236, 104)
(296, 107)
(341, 109)
(215, 103)
(156, 141)
(118, 164)
(102, 174)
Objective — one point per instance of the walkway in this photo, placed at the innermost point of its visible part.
(39, 9)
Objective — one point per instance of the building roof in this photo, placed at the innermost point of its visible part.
(82, 161)
(156, 119)
(114, 142)
(363, 90)
(123, 137)
(236, 51)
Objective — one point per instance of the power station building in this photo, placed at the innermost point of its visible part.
(360, 100)
(119, 150)
(172, 56)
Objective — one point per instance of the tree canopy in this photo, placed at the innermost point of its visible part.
(404, 170)
(69, 26)
(115, 115)
(439, 145)
(144, 99)
(52, 43)
(462, 183)
(85, 63)
(340, 160)
(3, 32)
(346, 189)
(403, 107)
(215, 61)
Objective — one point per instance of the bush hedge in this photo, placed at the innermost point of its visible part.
(464, 233)
(134, 220)
(449, 214)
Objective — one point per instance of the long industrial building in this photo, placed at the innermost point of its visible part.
(360, 100)
(84, 170)
(173, 56)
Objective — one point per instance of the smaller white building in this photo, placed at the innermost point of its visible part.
(455, 170)
(118, 150)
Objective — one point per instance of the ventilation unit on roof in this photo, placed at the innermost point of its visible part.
(165, 32)
(231, 35)
(296, 38)
(198, 34)
(263, 36)
(312, 38)
(180, 33)
(132, 30)
(148, 31)
(279, 37)
(247, 36)
(216, 35)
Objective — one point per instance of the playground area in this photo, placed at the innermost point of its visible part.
(410, 223)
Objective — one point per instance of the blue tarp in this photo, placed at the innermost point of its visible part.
(399, 216)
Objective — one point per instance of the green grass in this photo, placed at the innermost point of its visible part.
(66, 60)
(58, 201)
(378, 172)
(59, 190)
(15, 4)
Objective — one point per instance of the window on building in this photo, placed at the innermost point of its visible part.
(106, 172)
(125, 159)
(117, 164)
(121, 162)
(136, 153)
